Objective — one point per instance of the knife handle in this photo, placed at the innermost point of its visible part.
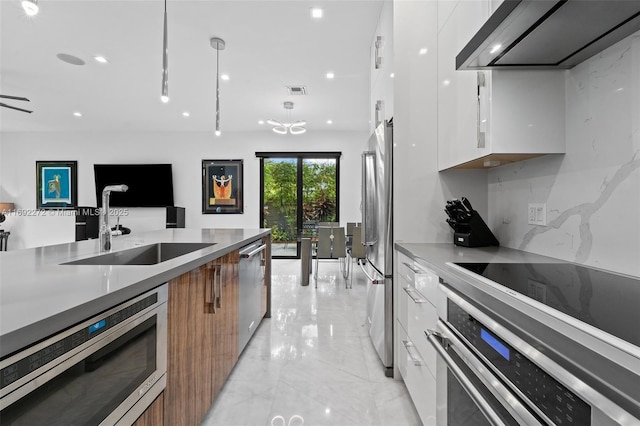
(467, 204)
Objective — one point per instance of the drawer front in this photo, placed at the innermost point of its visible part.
(422, 317)
(420, 383)
(426, 282)
(403, 355)
(421, 278)
(403, 303)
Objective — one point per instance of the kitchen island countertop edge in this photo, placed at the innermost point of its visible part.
(40, 296)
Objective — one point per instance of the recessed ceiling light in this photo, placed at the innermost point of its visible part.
(446, 83)
(423, 51)
(70, 59)
(330, 75)
(186, 114)
(260, 121)
(392, 75)
(329, 121)
(316, 13)
(101, 59)
(77, 114)
(224, 77)
(495, 48)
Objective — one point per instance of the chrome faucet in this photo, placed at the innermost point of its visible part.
(105, 230)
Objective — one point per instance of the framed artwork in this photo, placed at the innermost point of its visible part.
(222, 186)
(56, 184)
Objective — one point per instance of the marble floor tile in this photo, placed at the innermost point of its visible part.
(312, 362)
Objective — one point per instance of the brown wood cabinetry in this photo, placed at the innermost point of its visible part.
(225, 351)
(154, 414)
(202, 338)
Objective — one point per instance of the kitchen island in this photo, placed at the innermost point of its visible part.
(194, 275)
(40, 296)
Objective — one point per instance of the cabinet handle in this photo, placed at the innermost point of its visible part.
(416, 299)
(210, 290)
(410, 348)
(414, 270)
(481, 135)
(219, 298)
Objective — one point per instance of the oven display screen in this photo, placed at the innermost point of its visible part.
(495, 343)
(97, 326)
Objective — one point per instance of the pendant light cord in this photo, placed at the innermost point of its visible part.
(217, 90)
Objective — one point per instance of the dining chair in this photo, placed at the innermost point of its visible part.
(330, 246)
(350, 226)
(355, 251)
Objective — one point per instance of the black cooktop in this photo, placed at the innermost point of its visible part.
(605, 300)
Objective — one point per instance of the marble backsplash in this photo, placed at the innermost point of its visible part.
(593, 191)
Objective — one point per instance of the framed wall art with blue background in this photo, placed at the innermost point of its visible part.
(56, 184)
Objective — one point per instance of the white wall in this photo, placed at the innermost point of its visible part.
(20, 151)
(420, 192)
(593, 191)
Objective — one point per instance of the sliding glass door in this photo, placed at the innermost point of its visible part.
(298, 190)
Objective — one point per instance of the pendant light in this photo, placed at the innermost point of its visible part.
(295, 128)
(164, 97)
(218, 44)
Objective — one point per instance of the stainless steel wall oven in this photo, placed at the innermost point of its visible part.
(103, 371)
(490, 371)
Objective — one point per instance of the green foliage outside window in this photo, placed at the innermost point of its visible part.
(280, 195)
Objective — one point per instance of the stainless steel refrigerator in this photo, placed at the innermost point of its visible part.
(377, 236)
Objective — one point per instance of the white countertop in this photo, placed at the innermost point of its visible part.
(440, 258)
(437, 255)
(39, 296)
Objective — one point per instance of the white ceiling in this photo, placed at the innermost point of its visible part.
(269, 45)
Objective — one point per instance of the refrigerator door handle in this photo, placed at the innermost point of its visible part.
(373, 280)
(369, 234)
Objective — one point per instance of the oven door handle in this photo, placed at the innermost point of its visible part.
(438, 342)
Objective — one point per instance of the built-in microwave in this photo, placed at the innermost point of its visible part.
(104, 371)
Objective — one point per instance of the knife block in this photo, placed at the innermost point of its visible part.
(475, 233)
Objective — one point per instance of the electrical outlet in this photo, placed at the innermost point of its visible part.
(537, 214)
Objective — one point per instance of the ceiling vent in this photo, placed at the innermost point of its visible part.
(297, 90)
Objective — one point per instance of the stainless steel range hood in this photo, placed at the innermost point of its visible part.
(548, 34)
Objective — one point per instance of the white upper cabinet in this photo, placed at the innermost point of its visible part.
(490, 118)
(381, 57)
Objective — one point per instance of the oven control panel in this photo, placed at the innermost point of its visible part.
(58, 347)
(558, 403)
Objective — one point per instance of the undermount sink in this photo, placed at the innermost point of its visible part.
(144, 255)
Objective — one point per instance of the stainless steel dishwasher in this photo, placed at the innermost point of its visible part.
(250, 292)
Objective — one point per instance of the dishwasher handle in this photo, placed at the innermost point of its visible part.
(250, 253)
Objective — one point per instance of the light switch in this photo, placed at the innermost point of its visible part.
(537, 214)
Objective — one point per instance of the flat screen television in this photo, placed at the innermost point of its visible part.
(150, 185)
